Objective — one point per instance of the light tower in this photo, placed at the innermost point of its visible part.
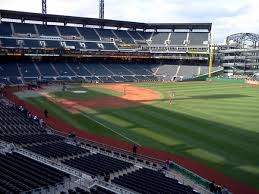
(44, 6)
(101, 9)
(44, 9)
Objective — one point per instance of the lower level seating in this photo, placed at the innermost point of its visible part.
(101, 72)
(106, 79)
(32, 138)
(149, 181)
(57, 149)
(19, 174)
(118, 79)
(94, 190)
(130, 78)
(98, 164)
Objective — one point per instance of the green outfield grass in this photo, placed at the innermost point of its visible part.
(214, 123)
(91, 92)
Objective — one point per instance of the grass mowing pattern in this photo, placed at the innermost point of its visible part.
(214, 123)
(91, 92)
(76, 120)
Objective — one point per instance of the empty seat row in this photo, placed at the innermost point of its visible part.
(25, 30)
(98, 164)
(157, 183)
(101, 72)
(57, 149)
(31, 138)
(19, 174)
(54, 44)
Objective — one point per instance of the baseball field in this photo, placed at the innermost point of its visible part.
(214, 123)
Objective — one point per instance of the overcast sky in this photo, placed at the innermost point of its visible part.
(227, 16)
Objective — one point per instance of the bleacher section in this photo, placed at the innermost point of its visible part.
(24, 29)
(46, 70)
(107, 73)
(117, 69)
(167, 72)
(28, 70)
(97, 69)
(145, 35)
(79, 69)
(19, 174)
(198, 38)
(14, 122)
(31, 138)
(9, 70)
(93, 190)
(52, 44)
(89, 34)
(124, 36)
(73, 45)
(94, 39)
(148, 182)
(136, 36)
(8, 43)
(109, 47)
(106, 34)
(98, 164)
(32, 44)
(178, 38)
(68, 31)
(159, 38)
(136, 69)
(92, 46)
(188, 71)
(47, 31)
(5, 29)
(56, 149)
(58, 40)
(63, 69)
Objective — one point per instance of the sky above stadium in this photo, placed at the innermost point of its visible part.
(228, 17)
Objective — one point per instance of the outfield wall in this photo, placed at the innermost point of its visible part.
(226, 80)
(205, 77)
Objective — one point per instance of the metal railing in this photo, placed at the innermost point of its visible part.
(188, 177)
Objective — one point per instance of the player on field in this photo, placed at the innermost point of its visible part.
(172, 97)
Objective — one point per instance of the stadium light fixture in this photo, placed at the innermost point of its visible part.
(101, 9)
(44, 6)
(44, 9)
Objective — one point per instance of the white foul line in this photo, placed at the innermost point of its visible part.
(85, 115)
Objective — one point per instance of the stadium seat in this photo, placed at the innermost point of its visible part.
(124, 36)
(9, 43)
(98, 164)
(159, 38)
(178, 38)
(47, 30)
(46, 70)
(21, 28)
(109, 47)
(19, 174)
(89, 34)
(56, 149)
(5, 29)
(198, 38)
(68, 31)
(106, 34)
(156, 181)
